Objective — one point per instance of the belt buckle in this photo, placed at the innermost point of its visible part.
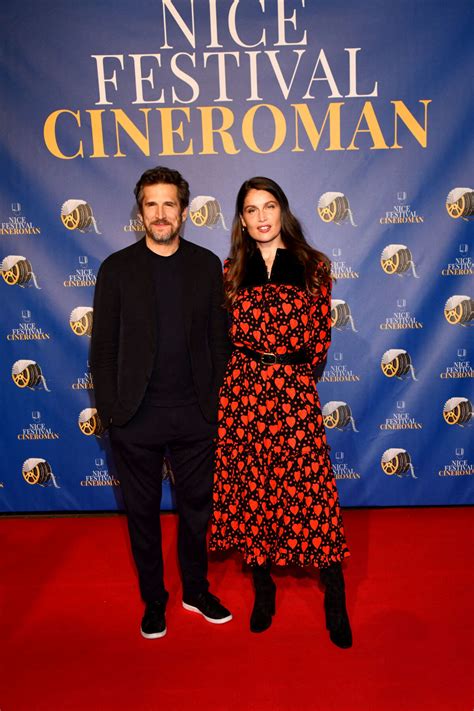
(265, 356)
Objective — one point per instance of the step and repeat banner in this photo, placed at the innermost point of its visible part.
(362, 111)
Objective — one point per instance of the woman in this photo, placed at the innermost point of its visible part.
(275, 498)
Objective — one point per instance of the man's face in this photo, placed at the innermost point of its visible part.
(161, 213)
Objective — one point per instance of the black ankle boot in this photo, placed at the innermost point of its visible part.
(264, 605)
(337, 619)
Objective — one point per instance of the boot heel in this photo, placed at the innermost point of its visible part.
(264, 605)
(337, 619)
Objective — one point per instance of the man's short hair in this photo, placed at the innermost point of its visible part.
(160, 174)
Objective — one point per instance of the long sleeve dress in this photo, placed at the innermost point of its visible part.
(275, 498)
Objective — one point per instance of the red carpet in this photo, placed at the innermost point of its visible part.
(71, 612)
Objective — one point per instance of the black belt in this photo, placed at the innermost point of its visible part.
(295, 358)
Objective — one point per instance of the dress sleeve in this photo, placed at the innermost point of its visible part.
(321, 341)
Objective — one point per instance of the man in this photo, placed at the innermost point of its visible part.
(158, 355)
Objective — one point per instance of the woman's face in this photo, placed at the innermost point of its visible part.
(261, 215)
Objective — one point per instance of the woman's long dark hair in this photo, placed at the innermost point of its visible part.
(316, 265)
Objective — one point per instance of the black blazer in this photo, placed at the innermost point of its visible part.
(124, 331)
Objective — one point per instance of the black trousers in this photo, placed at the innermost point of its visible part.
(138, 449)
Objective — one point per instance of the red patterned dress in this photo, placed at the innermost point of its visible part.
(275, 497)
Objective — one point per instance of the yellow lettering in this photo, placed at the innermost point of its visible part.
(97, 133)
(142, 140)
(302, 112)
(208, 130)
(279, 128)
(373, 127)
(49, 133)
(420, 132)
(167, 132)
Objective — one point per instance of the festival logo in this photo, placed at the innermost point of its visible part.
(37, 429)
(83, 276)
(397, 462)
(84, 382)
(459, 310)
(340, 269)
(135, 224)
(17, 271)
(38, 471)
(27, 330)
(89, 422)
(334, 207)
(458, 466)
(341, 469)
(397, 259)
(77, 215)
(460, 203)
(337, 371)
(205, 211)
(401, 319)
(401, 213)
(28, 374)
(341, 316)
(17, 224)
(99, 475)
(80, 320)
(460, 368)
(338, 415)
(457, 411)
(396, 363)
(401, 420)
(462, 266)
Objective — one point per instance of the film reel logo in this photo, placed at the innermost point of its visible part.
(80, 320)
(205, 211)
(338, 415)
(459, 310)
(27, 374)
(17, 271)
(334, 207)
(77, 215)
(397, 259)
(396, 363)
(397, 462)
(460, 203)
(341, 315)
(38, 471)
(89, 422)
(457, 411)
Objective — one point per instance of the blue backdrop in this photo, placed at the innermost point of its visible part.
(361, 111)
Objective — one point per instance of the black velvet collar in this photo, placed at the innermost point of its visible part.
(286, 269)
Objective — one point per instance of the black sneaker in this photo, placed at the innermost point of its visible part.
(153, 624)
(209, 607)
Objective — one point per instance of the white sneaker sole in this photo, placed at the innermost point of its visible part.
(222, 621)
(154, 635)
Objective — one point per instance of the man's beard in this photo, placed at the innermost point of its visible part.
(163, 237)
